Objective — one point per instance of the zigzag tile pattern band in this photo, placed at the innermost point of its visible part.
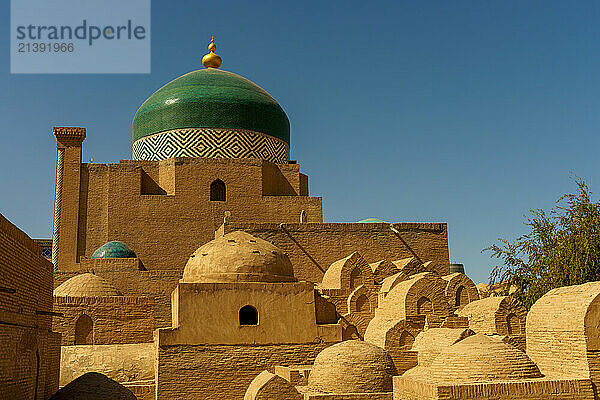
(57, 204)
(217, 143)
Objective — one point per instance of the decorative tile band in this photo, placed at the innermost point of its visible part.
(57, 204)
(217, 143)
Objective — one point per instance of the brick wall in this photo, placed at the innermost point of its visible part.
(162, 209)
(124, 363)
(222, 372)
(156, 285)
(25, 300)
(117, 320)
(535, 389)
(312, 248)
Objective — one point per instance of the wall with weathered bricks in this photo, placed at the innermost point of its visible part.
(222, 371)
(312, 248)
(162, 209)
(156, 285)
(116, 320)
(207, 313)
(349, 396)
(562, 332)
(125, 363)
(29, 351)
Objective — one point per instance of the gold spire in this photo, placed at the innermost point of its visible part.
(211, 60)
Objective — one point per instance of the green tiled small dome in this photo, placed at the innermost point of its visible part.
(114, 249)
(372, 221)
(211, 98)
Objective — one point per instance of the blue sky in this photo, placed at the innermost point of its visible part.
(465, 112)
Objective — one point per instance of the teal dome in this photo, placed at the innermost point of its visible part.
(114, 250)
(211, 98)
(372, 221)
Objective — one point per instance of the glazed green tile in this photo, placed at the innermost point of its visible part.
(211, 98)
(372, 221)
(114, 250)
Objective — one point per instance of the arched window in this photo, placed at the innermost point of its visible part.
(350, 332)
(355, 278)
(424, 306)
(514, 324)
(362, 303)
(248, 316)
(217, 191)
(406, 340)
(84, 330)
(462, 297)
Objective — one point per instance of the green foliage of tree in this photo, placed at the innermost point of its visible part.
(562, 248)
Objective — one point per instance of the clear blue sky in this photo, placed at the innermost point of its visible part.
(469, 113)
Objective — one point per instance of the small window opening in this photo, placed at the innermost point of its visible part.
(362, 303)
(424, 306)
(406, 340)
(217, 191)
(248, 316)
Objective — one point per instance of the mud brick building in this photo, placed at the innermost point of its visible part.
(202, 268)
(29, 349)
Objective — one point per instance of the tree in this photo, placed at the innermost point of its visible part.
(561, 249)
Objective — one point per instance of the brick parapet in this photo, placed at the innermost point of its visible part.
(75, 301)
(222, 371)
(22, 238)
(313, 247)
(116, 319)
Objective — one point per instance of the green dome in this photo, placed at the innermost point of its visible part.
(211, 98)
(372, 221)
(114, 250)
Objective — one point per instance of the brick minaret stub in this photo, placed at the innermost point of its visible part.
(67, 136)
(66, 213)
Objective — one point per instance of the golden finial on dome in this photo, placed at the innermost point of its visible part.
(211, 60)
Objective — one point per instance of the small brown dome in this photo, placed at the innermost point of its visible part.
(475, 359)
(352, 366)
(86, 285)
(238, 257)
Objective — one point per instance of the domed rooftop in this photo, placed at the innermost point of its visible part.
(352, 366)
(189, 107)
(211, 98)
(93, 386)
(477, 358)
(86, 285)
(238, 256)
(114, 249)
